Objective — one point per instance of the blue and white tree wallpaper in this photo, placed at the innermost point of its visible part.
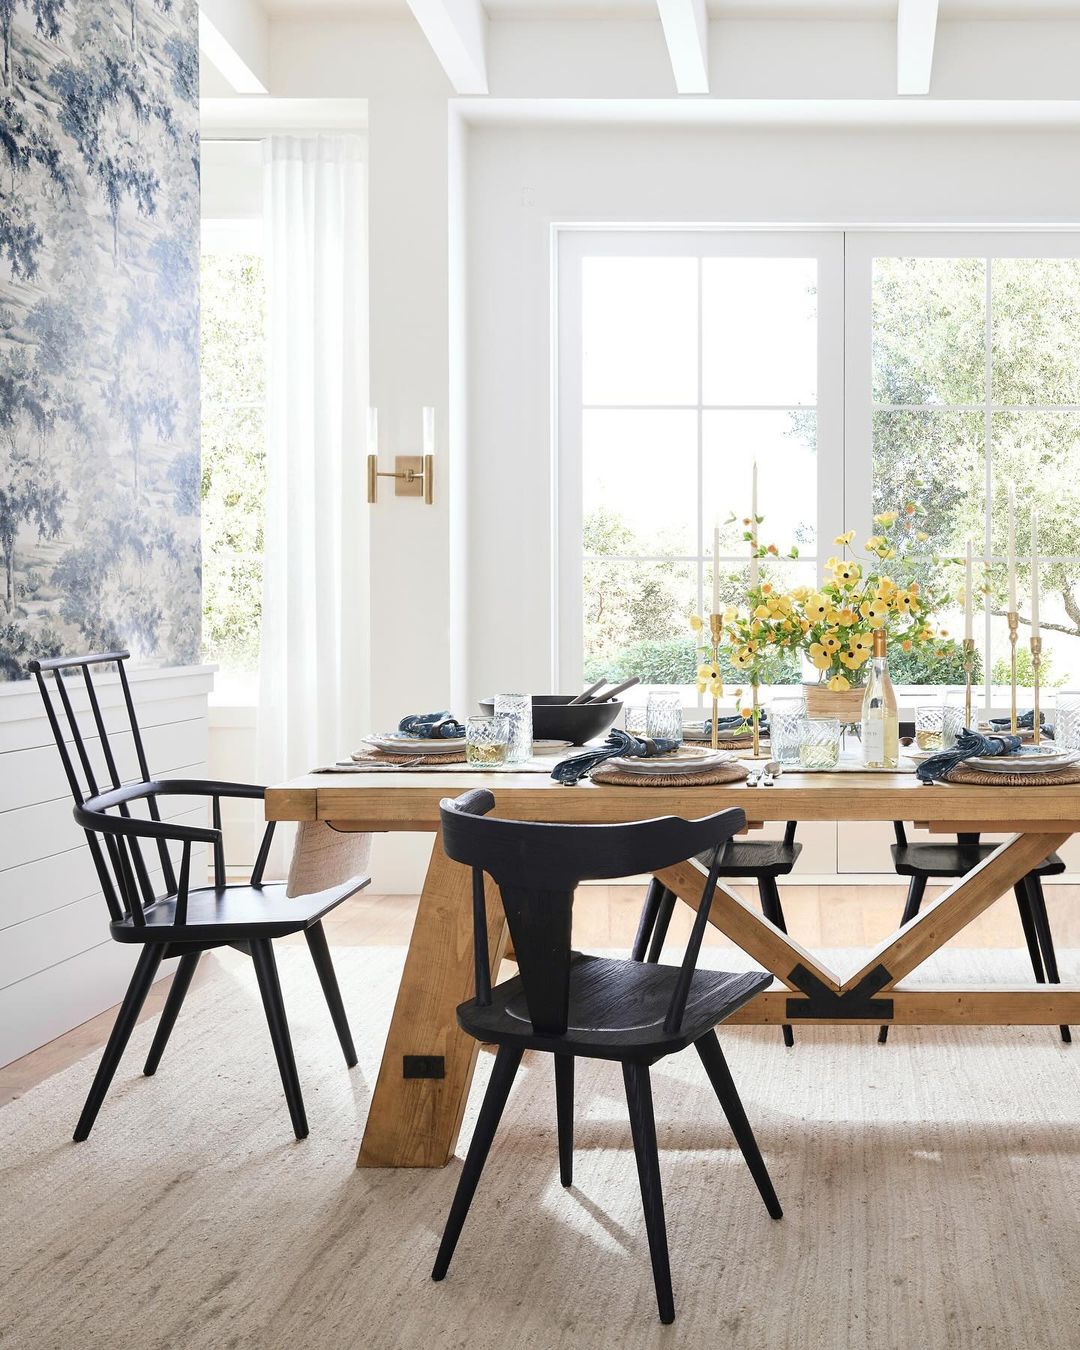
(99, 385)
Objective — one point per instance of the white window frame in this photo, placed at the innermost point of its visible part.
(845, 405)
(572, 246)
(861, 248)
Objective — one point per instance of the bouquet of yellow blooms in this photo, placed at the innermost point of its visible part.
(833, 625)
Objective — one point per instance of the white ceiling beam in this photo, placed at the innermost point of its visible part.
(686, 32)
(916, 28)
(457, 32)
(234, 36)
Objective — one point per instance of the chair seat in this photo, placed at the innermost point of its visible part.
(236, 913)
(617, 1009)
(755, 858)
(953, 860)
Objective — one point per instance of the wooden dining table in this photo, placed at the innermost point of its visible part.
(428, 1062)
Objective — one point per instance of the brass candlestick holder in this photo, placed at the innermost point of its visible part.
(1014, 628)
(969, 662)
(755, 717)
(715, 634)
(1036, 662)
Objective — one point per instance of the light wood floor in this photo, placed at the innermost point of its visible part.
(604, 916)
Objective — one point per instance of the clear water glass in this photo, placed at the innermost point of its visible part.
(930, 727)
(517, 709)
(952, 723)
(663, 716)
(486, 740)
(785, 714)
(1067, 724)
(819, 742)
(636, 719)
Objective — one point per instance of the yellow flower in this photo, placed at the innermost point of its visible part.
(839, 683)
(878, 612)
(846, 573)
(843, 539)
(886, 588)
(873, 543)
(762, 612)
(921, 536)
(887, 518)
(730, 614)
(766, 589)
(820, 657)
(903, 601)
(861, 643)
(846, 617)
(708, 680)
(743, 657)
(817, 607)
(746, 714)
(854, 659)
(799, 593)
(804, 624)
(697, 623)
(831, 642)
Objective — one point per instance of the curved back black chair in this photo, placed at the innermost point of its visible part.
(925, 862)
(758, 860)
(569, 1004)
(176, 919)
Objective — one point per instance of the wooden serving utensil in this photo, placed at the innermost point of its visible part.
(586, 695)
(618, 689)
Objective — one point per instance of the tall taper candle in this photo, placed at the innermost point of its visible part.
(715, 569)
(428, 417)
(1034, 573)
(753, 528)
(1012, 548)
(969, 589)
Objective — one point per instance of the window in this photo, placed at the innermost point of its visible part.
(955, 359)
(233, 372)
(687, 359)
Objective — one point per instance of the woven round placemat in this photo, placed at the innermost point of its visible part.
(731, 743)
(728, 772)
(964, 773)
(374, 756)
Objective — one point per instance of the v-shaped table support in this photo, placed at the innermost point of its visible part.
(818, 995)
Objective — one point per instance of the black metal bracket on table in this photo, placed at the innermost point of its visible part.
(857, 1003)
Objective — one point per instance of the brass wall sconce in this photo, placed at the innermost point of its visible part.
(414, 475)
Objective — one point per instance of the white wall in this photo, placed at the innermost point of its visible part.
(58, 964)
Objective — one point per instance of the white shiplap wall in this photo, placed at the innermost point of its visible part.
(58, 965)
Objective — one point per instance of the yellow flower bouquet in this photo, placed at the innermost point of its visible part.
(832, 625)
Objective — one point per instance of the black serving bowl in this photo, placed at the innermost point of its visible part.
(555, 720)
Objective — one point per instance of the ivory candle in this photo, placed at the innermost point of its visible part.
(373, 431)
(429, 431)
(1012, 548)
(1034, 573)
(715, 569)
(969, 588)
(753, 527)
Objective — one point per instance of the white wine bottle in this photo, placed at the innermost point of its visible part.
(880, 719)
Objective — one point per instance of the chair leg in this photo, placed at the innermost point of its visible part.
(915, 892)
(708, 1048)
(320, 954)
(647, 921)
(663, 919)
(1034, 889)
(262, 955)
(564, 1110)
(769, 894)
(643, 1127)
(502, 1079)
(1031, 937)
(141, 980)
(185, 972)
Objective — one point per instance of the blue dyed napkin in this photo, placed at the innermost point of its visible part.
(731, 725)
(969, 745)
(572, 770)
(1025, 721)
(432, 726)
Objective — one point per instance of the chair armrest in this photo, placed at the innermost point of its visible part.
(205, 787)
(98, 821)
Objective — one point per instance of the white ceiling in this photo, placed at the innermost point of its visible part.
(743, 9)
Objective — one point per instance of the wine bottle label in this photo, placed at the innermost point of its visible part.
(873, 737)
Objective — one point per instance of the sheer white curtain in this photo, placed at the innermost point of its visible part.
(313, 679)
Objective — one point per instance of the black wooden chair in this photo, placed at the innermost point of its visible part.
(758, 860)
(171, 918)
(925, 862)
(568, 1004)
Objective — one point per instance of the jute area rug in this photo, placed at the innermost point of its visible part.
(931, 1190)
